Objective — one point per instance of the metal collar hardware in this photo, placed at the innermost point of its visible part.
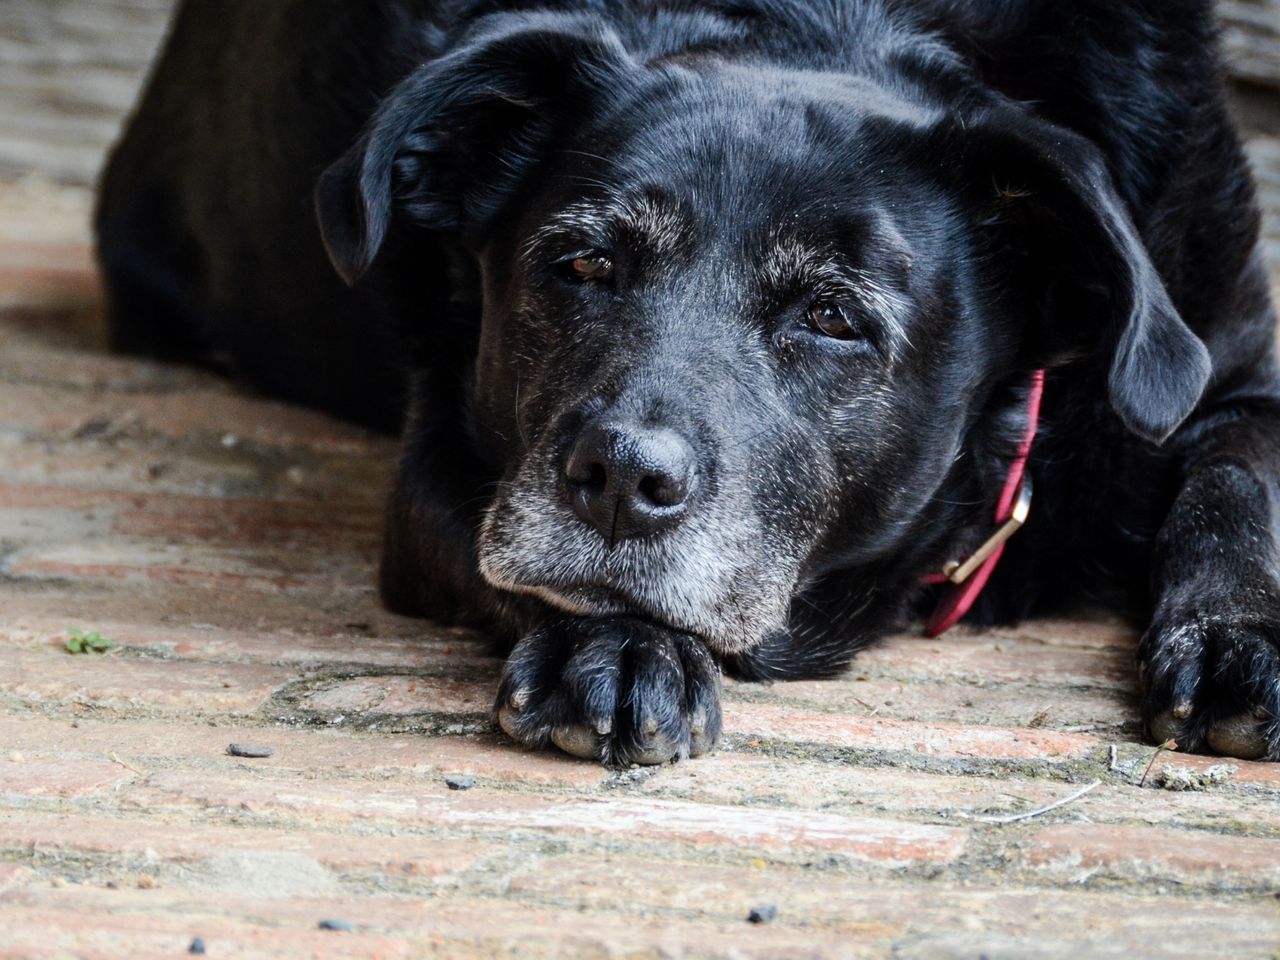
(959, 571)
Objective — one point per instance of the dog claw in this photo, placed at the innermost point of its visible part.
(1238, 737)
(520, 699)
(1183, 710)
(577, 741)
(699, 742)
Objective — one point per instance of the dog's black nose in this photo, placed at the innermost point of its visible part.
(630, 481)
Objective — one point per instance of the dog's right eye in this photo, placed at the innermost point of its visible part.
(592, 267)
(832, 320)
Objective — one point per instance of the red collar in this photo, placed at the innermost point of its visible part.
(966, 579)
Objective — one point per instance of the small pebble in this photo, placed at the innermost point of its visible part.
(765, 914)
(197, 945)
(460, 783)
(252, 750)
(335, 925)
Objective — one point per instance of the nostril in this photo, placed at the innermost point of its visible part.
(664, 491)
(586, 473)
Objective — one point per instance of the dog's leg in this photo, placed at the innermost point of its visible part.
(1210, 662)
(611, 689)
(148, 267)
(429, 566)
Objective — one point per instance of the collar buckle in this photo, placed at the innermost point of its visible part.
(959, 571)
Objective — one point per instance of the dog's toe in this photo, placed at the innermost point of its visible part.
(651, 745)
(507, 721)
(579, 741)
(1165, 727)
(655, 753)
(523, 727)
(1241, 736)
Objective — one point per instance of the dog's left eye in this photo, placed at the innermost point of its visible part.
(832, 320)
(594, 267)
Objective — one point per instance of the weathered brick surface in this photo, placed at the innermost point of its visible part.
(303, 753)
(942, 741)
(158, 612)
(282, 859)
(1039, 921)
(193, 413)
(52, 679)
(720, 830)
(1262, 774)
(62, 777)
(1079, 852)
(939, 700)
(227, 545)
(135, 925)
(401, 695)
(133, 562)
(982, 659)
(729, 778)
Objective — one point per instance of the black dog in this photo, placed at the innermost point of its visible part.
(716, 321)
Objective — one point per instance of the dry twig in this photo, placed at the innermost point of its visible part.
(124, 763)
(1043, 810)
(1167, 745)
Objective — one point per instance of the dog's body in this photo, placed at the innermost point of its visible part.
(714, 322)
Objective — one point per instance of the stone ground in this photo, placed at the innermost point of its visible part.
(226, 545)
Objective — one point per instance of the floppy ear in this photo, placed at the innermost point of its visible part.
(1091, 280)
(454, 138)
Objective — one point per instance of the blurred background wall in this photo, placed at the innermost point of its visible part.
(70, 69)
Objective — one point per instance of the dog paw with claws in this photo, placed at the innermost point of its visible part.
(616, 690)
(1211, 679)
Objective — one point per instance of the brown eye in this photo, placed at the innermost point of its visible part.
(592, 268)
(831, 320)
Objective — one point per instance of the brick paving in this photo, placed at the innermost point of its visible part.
(226, 545)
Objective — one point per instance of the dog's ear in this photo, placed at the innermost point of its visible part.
(453, 139)
(1068, 241)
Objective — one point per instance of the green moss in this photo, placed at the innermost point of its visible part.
(91, 641)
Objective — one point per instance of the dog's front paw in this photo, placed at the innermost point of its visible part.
(616, 690)
(1211, 678)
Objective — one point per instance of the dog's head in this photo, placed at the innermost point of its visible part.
(740, 321)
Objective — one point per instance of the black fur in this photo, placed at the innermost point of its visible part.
(836, 238)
